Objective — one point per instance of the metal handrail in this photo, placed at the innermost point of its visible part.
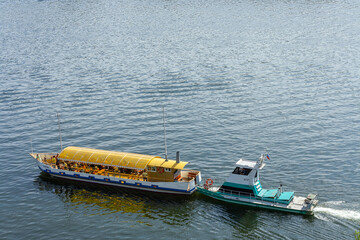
(244, 194)
(238, 193)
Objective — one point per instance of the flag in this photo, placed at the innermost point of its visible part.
(267, 156)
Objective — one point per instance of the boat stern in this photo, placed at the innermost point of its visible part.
(304, 205)
(310, 202)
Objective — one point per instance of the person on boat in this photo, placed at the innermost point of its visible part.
(81, 167)
(57, 161)
(53, 160)
(145, 175)
(76, 167)
(279, 191)
(96, 169)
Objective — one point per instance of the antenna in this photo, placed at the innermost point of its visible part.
(32, 151)
(165, 133)
(57, 115)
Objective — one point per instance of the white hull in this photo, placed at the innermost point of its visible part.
(164, 187)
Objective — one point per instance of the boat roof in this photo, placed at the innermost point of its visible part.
(116, 159)
(246, 163)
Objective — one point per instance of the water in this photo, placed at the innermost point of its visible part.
(236, 78)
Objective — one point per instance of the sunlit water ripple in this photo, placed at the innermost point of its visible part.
(236, 77)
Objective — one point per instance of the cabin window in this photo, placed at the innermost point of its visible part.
(151, 169)
(242, 171)
(167, 169)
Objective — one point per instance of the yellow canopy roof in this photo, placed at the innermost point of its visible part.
(167, 164)
(118, 159)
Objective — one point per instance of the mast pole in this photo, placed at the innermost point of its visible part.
(57, 114)
(165, 133)
(32, 151)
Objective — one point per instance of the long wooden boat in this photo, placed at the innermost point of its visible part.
(120, 169)
(243, 187)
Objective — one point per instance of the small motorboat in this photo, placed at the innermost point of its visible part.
(243, 187)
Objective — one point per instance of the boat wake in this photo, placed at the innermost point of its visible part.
(339, 213)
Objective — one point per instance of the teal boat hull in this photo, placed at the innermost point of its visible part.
(245, 202)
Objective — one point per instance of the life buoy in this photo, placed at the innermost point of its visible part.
(209, 182)
(160, 170)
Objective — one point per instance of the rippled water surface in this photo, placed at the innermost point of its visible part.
(236, 78)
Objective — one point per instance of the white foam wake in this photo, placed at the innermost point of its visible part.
(334, 203)
(341, 213)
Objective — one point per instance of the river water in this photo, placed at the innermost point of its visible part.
(237, 78)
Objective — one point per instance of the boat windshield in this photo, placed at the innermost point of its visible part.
(242, 171)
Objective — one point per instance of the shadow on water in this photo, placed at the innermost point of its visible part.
(101, 200)
(231, 220)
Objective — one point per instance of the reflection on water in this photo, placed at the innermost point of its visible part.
(194, 212)
(188, 214)
(243, 220)
(102, 200)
